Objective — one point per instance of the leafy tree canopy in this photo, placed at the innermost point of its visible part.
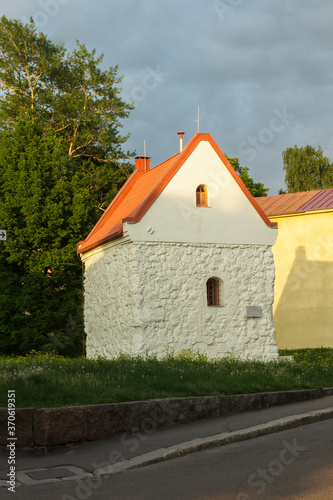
(256, 188)
(44, 207)
(63, 91)
(61, 161)
(306, 169)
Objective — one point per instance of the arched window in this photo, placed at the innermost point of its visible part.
(213, 292)
(202, 196)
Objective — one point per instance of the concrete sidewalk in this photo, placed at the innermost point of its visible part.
(110, 456)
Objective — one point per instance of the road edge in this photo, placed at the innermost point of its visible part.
(217, 440)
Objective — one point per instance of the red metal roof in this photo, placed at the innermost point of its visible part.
(141, 190)
(321, 201)
(291, 203)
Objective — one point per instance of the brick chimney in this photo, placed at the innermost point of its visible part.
(142, 163)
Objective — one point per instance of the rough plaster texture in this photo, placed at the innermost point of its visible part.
(303, 255)
(151, 297)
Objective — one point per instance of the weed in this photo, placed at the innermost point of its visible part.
(47, 380)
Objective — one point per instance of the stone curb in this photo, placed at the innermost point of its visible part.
(47, 427)
(179, 450)
(201, 444)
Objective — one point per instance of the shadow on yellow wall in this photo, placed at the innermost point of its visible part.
(304, 315)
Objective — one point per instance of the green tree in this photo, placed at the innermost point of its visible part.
(306, 169)
(256, 188)
(61, 162)
(65, 92)
(44, 206)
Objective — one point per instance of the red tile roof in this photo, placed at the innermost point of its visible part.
(141, 190)
(291, 203)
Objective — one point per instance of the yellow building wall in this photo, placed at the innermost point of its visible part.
(303, 297)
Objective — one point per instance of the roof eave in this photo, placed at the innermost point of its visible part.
(300, 212)
(82, 248)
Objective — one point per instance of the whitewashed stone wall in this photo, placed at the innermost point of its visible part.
(108, 300)
(151, 297)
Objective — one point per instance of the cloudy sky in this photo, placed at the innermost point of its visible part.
(261, 71)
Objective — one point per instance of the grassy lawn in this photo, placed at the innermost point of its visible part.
(44, 380)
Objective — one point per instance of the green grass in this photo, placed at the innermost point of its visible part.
(45, 380)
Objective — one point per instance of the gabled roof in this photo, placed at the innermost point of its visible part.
(142, 189)
(292, 203)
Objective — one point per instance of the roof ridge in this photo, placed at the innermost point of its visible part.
(131, 206)
(180, 157)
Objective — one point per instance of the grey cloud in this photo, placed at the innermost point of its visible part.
(239, 67)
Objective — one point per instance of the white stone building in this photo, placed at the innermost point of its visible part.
(181, 259)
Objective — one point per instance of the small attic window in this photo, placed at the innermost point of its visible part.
(202, 196)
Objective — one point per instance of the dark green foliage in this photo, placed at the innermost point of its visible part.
(47, 204)
(306, 169)
(61, 162)
(44, 216)
(255, 188)
(38, 310)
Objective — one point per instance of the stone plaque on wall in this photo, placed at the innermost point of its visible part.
(254, 312)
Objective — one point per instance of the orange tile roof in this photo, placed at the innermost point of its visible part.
(129, 199)
(291, 203)
(141, 190)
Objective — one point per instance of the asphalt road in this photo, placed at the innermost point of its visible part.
(293, 464)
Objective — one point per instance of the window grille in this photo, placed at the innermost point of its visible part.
(213, 292)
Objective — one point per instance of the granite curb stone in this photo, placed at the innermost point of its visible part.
(201, 444)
